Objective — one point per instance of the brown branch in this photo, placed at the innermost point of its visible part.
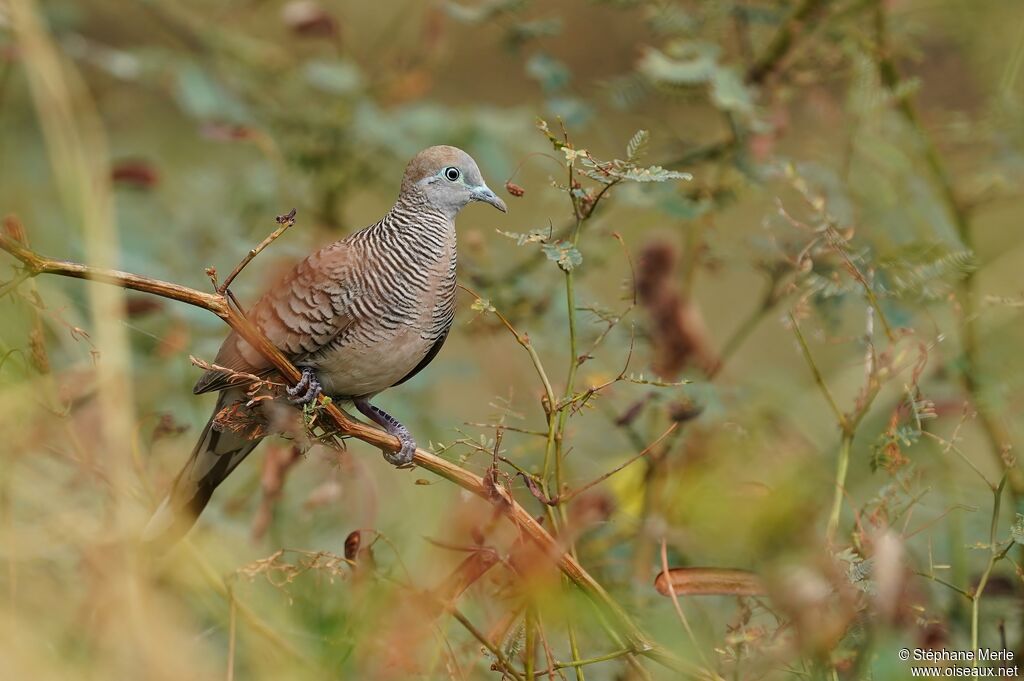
(36, 264)
(618, 620)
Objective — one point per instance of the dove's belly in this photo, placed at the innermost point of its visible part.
(363, 370)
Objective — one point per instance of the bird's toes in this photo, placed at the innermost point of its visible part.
(300, 386)
(403, 457)
(306, 390)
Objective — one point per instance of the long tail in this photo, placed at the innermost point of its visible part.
(214, 457)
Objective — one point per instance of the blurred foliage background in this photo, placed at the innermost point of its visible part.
(826, 317)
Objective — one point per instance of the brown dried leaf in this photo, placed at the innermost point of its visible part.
(14, 229)
(678, 333)
(699, 581)
(139, 306)
(135, 173)
(468, 571)
(352, 543)
(309, 19)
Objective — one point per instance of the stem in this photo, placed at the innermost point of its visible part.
(570, 381)
(994, 557)
(840, 485)
(948, 585)
(818, 378)
(575, 650)
(579, 664)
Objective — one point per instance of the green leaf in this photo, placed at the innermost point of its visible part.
(542, 125)
(202, 97)
(696, 64)
(552, 74)
(651, 174)
(637, 145)
(533, 236)
(482, 305)
(656, 382)
(1017, 530)
(565, 254)
(684, 207)
(924, 270)
(482, 11)
(572, 154)
(574, 111)
(670, 19)
(334, 77)
(729, 92)
(524, 31)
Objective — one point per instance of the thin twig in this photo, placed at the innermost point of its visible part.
(503, 662)
(563, 498)
(818, 378)
(284, 222)
(995, 555)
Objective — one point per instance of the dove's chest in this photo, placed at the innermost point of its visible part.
(400, 314)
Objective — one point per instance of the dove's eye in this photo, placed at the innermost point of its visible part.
(451, 173)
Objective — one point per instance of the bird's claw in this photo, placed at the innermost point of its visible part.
(403, 457)
(306, 390)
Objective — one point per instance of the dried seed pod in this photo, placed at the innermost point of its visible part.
(37, 351)
(352, 542)
(14, 229)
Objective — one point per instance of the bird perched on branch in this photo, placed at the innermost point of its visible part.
(359, 316)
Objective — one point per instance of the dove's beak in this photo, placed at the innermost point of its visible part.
(483, 193)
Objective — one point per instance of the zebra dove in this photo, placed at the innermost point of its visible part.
(359, 316)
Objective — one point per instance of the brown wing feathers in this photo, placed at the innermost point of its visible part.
(300, 314)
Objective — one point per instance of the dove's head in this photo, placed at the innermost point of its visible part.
(447, 178)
